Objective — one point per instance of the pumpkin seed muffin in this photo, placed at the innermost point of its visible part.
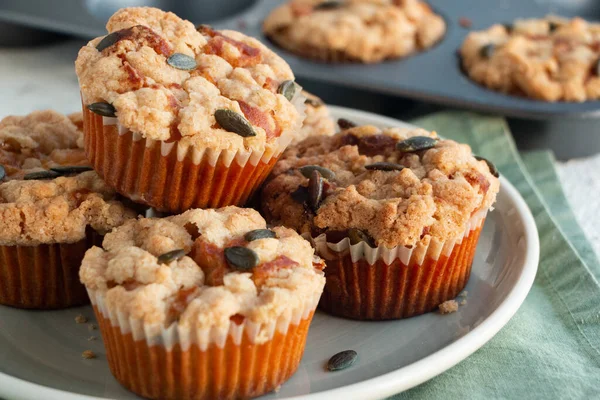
(220, 281)
(39, 141)
(384, 202)
(318, 121)
(549, 59)
(367, 31)
(45, 228)
(196, 97)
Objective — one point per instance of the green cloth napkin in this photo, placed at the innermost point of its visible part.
(551, 348)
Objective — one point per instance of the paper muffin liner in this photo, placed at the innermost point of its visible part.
(44, 276)
(238, 361)
(392, 283)
(172, 177)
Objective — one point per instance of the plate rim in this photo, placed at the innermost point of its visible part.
(400, 379)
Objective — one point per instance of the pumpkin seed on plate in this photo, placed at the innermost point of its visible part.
(71, 169)
(41, 175)
(287, 89)
(384, 166)
(416, 143)
(259, 234)
(315, 190)
(356, 236)
(102, 108)
(234, 122)
(487, 51)
(491, 166)
(328, 5)
(182, 61)
(241, 258)
(342, 360)
(325, 172)
(108, 40)
(170, 256)
(2, 172)
(344, 123)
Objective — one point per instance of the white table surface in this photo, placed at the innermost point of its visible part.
(44, 77)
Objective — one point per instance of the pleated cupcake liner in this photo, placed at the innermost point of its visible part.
(392, 283)
(238, 361)
(172, 177)
(44, 276)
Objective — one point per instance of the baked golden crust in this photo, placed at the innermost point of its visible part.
(366, 31)
(161, 102)
(57, 211)
(38, 141)
(318, 121)
(549, 59)
(201, 288)
(434, 196)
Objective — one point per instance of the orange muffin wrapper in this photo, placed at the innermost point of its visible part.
(381, 283)
(44, 276)
(239, 361)
(169, 178)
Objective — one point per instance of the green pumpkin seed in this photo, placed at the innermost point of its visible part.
(356, 236)
(487, 51)
(41, 175)
(416, 143)
(509, 27)
(597, 67)
(234, 122)
(552, 26)
(259, 234)
(108, 40)
(287, 89)
(300, 195)
(491, 166)
(2, 172)
(182, 61)
(314, 102)
(325, 172)
(315, 190)
(102, 108)
(241, 258)
(342, 360)
(384, 166)
(71, 169)
(170, 256)
(344, 123)
(328, 5)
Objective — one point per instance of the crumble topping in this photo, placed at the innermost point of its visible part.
(433, 196)
(162, 102)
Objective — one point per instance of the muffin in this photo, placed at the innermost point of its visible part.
(549, 59)
(205, 304)
(365, 31)
(395, 213)
(46, 226)
(318, 121)
(177, 117)
(39, 141)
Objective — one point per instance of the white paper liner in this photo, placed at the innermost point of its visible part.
(156, 334)
(226, 156)
(406, 255)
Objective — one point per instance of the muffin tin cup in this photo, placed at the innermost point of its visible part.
(238, 361)
(170, 177)
(380, 283)
(44, 276)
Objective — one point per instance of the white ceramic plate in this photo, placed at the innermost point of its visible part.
(40, 352)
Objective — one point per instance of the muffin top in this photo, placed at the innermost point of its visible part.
(318, 121)
(38, 141)
(204, 268)
(361, 30)
(169, 81)
(548, 59)
(398, 191)
(36, 212)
